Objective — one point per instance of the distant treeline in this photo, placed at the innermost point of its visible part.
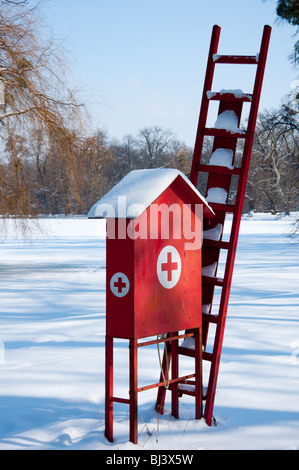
(56, 175)
(51, 164)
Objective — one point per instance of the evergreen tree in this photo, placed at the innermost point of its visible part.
(289, 10)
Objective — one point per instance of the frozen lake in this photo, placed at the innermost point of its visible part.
(52, 317)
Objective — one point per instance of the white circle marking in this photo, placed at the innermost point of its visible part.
(169, 267)
(119, 285)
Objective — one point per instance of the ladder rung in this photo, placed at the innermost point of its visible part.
(216, 244)
(186, 392)
(211, 131)
(214, 281)
(219, 170)
(120, 400)
(213, 96)
(191, 353)
(222, 207)
(235, 59)
(186, 351)
(192, 392)
(207, 356)
(208, 318)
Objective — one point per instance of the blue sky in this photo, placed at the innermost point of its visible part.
(142, 62)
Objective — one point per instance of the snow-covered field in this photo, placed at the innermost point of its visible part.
(52, 317)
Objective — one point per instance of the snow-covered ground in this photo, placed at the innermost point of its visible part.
(52, 317)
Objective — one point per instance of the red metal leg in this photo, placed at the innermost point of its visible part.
(205, 104)
(198, 373)
(161, 395)
(133, 392)
(109, 389)
(175, 374)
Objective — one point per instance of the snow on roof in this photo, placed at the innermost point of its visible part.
(136, 192)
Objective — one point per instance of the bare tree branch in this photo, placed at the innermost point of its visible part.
(16, 2)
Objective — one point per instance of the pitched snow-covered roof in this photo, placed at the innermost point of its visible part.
(140, 188)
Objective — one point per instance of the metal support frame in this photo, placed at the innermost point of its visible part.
(173, 344)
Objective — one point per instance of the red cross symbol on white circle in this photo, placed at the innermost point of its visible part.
(119, 284)
(169, 267)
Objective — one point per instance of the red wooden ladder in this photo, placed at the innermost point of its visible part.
(219, 178)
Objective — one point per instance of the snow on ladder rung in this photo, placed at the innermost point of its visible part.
(212, 132)
(216, 244)
(189, 389)
(213, 233)
(228, 121)
(209, 318)
(218, 169)
(216, 197)
(215, 281)
(210, 270)
(236, 59)
(217, 194)
(207, 356)
(229, 95)
(222, 207)
(222, 157)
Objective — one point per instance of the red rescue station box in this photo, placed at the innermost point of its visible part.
(153, 251)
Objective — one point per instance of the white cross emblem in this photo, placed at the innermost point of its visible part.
(119, 285)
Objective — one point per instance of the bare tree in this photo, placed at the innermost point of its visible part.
(15, 2)
(155, 145)
(288, 10)
(126, 158)
(39, 105)
(32, 72)
(273, 180)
